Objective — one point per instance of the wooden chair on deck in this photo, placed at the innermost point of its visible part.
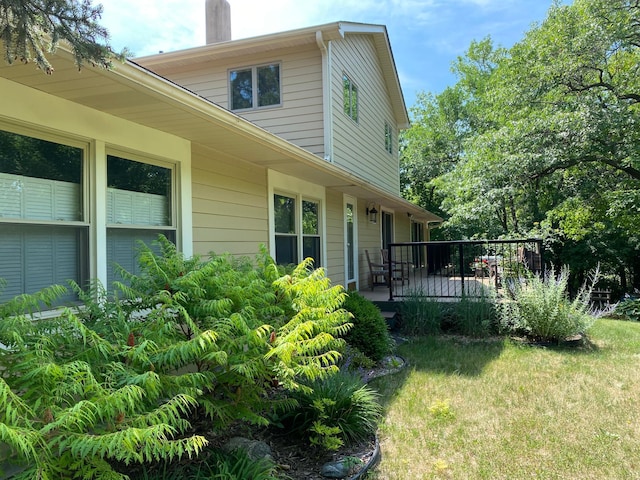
(400, 269)
(377, 271)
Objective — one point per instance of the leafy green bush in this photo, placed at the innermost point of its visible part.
(629, 308)
(69, 406)
(474, 316)
(354, 360)
(543, 310)
(334, 411)
(467, 316)
(214, 464)
(118, 380)
(259, 328)
(420, 315)
(369, 333)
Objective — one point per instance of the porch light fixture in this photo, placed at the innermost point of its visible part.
(372, 213)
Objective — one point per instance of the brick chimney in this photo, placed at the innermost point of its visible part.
(218, 18)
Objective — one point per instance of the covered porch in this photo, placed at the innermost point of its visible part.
(451, 270)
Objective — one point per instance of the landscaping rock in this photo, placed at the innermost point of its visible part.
(338, 469)
(256, 450)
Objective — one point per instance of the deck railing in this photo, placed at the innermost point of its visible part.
(460, 268)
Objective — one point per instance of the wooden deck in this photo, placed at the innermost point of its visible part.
(442, 287)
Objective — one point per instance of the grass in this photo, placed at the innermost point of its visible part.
(496, 409)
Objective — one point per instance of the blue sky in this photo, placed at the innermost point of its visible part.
(426, 35)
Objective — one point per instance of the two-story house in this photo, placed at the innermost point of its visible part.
(288, 140)
(333, 90)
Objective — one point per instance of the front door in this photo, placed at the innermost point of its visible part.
(387, 229)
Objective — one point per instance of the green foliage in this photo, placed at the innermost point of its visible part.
(354, 360)
(213, 464)
(441, 410)
(474, 316)
(118, 380)
(420, 315)
(629, 308)
(77, 408)
(238, 465)
(31, 29)
(542, 308)
(541, 139)
(369, 333)
(240, 325)
(334, 411)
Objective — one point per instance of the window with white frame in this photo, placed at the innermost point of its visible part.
(286, 233)
(311, 230)
(44, 226)
(139, 208)
(350, 96)
(254, 87)
(388, 138)
(296, 229)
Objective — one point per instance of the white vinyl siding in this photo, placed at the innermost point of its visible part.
(357, 147)
(335, 237)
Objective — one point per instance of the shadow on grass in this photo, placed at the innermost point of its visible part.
(452, 355)
(462, 356)
(441, 354)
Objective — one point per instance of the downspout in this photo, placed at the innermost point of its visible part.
(327, 108)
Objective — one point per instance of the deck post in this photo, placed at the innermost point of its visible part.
(390, 274)
(460, 253)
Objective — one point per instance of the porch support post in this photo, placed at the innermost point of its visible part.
(460, 255)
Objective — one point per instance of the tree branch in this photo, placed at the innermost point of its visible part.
(632, 172)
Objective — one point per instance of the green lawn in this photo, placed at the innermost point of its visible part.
(497, 409)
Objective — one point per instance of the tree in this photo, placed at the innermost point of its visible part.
(553, 139)
(29, 29)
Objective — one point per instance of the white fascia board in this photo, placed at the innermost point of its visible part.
(367, 28)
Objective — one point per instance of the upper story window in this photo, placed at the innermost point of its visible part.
(254, 87)
(350, 93)
(388, 138)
